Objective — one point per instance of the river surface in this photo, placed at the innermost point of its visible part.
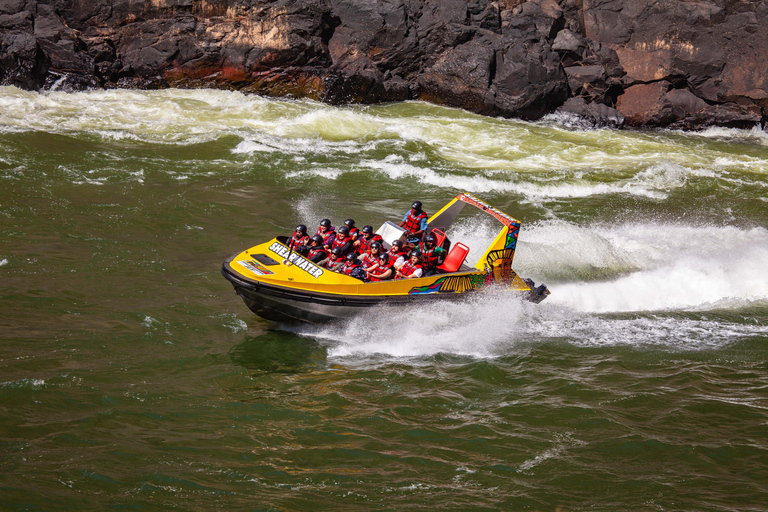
(132, 376)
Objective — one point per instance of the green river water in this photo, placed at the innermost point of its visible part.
(132, 376)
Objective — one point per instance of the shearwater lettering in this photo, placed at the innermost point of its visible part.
(307, 266)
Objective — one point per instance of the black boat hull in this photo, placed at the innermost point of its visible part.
(286, 305)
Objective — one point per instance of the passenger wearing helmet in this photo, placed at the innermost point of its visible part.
(415, 223)
(431, 254)
(352, 267)
(363, 243)
(371, 258)
(300, 239)
(317, 251)
(383, 269)
(335, 259)
(398, 253)
(353, 231)
(327, 231)
(343, 240)
(411, 269)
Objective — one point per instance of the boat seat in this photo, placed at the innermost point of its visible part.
(440, 238)
(455, 258)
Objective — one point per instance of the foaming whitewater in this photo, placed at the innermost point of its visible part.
(634, 285)
(478, 326)
(654, 181)
(497, 323)
(755, 134)
(648, 267)
(466, 151)
(666, 332)
(613, 280)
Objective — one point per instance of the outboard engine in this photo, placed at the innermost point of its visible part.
(536, 294)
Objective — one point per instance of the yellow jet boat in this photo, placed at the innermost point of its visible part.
(281, 285)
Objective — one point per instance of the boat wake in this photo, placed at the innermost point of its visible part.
(496, 326)
(672, 287)
(641, 267)
(479, 326)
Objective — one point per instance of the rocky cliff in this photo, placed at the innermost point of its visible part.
(644, 63)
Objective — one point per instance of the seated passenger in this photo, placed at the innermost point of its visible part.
(411, 269)
(368, 237)
(317, 251)
(371, 258)
(382, 271)
(335, 259)
(343, 240)
(431, 255)
(415, 223)
(398, 253)
(352, 267)
(353, 231)
(300, 239)
(326, 231)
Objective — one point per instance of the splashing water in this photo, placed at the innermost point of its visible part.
(653, 267)
(647, 270)
(478, 326)
(133, 376)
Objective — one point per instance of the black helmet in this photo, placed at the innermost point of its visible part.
(376, 245)
(351, 257)
(416, 206)
(325, 223)
(367, 230)
(350, 223)
(416, 253)
(384, 257)
(336, 251)
(429, 239)
(344, 230)
(301, 229)
(397, 243)
(317, 239)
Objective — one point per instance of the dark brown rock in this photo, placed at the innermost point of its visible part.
(580, 77)
(687, 63)
(19, 20)
(685, 100)
(643, 105)
(460, 76)
(567, 41)
(22, 62)
(729, 115)
(590, 115)
(12, 6)
(712, 49)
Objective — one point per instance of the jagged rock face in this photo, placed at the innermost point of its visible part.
(713, 50)
(685, 64)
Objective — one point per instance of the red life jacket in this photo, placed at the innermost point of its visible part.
(349, 267)
(354, 233)
(408, 268)
(369, 260)
(413, 221)
(395, 255)
(365, 243)
(375, 275)
(314, 251)
(332, 261)
(297, 241)
(429, 257)
(328, 236)
(340, 243)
